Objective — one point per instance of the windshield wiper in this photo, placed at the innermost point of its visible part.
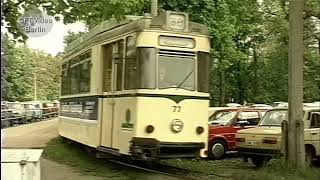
(184, 80)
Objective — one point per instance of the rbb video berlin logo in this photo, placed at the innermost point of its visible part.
(35, 23)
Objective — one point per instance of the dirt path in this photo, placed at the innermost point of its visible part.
(36, 135)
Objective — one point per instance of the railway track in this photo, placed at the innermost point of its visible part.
(158, 168)
(172, 171)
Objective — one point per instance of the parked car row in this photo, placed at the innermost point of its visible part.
(26, 112)
(224, 124)
(255, 132)
(278, 104)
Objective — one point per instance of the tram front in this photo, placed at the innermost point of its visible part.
(170, 75)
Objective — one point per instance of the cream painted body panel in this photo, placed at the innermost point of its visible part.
(107, 122)
(121, 136)
(157, 112)
(84, 131)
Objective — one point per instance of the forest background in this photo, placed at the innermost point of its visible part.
(249, 46)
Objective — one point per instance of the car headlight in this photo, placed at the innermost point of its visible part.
(176, 125)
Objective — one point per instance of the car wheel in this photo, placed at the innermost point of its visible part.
(260, 161)
(217, 149)
(309, 156)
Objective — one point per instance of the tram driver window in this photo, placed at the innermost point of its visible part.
(119, 61)
(147, 68)
(130, 64)
(203, 71)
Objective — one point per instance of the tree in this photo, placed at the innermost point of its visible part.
(23, 64)
(3, 65)
(72, 36)
(249, 40)
(90, 11)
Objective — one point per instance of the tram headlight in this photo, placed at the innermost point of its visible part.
(149, 129)
(199, 130)
(176, 125)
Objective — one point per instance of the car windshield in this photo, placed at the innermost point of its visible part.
(176, 72)
(274, 118)
(14, 106)
(222, 117)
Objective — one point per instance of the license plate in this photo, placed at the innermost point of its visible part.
(251, 143)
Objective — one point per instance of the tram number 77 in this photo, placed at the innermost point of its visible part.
(176, 108)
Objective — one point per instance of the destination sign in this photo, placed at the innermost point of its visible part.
(176, 41)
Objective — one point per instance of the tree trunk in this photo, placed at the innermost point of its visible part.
(296, 154)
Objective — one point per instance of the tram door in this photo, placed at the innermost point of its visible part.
(113, 70)
(108, 101)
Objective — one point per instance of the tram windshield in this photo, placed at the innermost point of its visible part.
(176, 72)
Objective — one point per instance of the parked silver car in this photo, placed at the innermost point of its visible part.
(6, 116)
(19, 112)
(34, 109)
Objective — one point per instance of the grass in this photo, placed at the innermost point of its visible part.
(235, 168)
(74, 155)
(276, 170)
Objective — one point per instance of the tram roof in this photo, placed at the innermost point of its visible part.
(113, 27)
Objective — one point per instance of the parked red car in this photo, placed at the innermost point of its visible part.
(223, 126)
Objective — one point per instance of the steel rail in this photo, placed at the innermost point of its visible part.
(176, 172)
(152, 170)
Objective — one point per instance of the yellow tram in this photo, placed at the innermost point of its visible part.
(139, 87)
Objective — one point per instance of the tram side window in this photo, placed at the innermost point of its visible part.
(130, 64)
(203, 71)
(75, 79)
(80, 74)
(65, 80)
(107, 64)
(85, 76)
